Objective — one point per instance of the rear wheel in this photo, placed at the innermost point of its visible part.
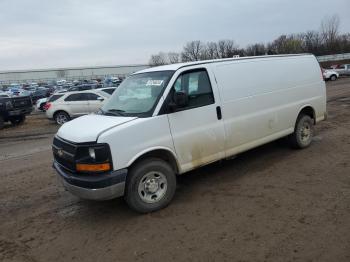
(61, 117)
(18, 120)
(303, 132)
(150, 186)
(333, 77)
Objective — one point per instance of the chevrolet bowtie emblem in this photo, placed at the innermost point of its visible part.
(60, 152)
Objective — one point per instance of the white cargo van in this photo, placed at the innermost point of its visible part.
(164, 121)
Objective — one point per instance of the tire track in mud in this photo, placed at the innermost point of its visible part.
(23, 147)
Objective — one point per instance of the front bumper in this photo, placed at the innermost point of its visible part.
(94, 187)
(18, 112)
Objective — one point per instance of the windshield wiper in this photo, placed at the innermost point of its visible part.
(116, 112)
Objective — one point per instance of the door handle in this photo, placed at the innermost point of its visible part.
(218, 112)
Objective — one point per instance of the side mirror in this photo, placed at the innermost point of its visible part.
(181, 99)
(100, 99)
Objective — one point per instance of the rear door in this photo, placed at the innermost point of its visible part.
(197, 129)
(78, 104)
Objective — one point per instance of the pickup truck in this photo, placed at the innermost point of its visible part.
(343, 70)
(14, 109)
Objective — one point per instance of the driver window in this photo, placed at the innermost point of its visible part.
(197, 85)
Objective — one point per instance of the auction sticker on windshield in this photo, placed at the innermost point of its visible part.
(154, 82)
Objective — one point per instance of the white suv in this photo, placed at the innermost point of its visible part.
(330, 74)
(63, 107)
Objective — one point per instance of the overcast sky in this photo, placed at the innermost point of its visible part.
(63, 33)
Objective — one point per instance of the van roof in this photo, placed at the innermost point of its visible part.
(174, 67)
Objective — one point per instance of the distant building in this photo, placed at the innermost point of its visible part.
(73, 73)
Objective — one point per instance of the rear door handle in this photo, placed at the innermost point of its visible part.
(218, 112)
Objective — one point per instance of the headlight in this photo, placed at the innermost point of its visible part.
(93, 158)
(92, 153)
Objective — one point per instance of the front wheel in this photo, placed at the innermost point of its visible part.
(18, 120)
(150, 186)
(333, 77)
(303, 132)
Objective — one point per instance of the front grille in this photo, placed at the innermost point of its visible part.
(67, 164)
(21, 102)
(66, 146)
(64, 153)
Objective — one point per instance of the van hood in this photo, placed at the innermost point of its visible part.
(89, 128)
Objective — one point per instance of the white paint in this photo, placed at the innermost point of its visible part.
(260, 99)
(87, 128)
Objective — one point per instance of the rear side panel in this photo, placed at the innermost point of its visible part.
(261, 98)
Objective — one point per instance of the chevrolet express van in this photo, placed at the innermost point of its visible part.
(165, 121)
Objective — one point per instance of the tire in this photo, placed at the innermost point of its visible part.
(61, 117)
(18, 120)
(150, 185)
(333, 77)
(2, 122)
(303, 132)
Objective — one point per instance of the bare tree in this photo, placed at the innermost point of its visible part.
(227, 49)
(193, 51)
(173, 57)
(344, 43)
(327, 41)
(212, 50)
(311, 42)
(284, 44)
(158, 59)
(330, 28)
(255, 50)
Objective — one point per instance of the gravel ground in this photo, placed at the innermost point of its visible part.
(269, 204)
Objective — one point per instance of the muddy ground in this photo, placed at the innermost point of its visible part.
(269, 204)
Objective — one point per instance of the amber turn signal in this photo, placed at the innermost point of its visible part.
(93, 167)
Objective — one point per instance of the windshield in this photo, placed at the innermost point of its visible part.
(138, 95)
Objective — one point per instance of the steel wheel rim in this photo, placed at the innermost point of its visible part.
(305, 132)
(61, 119)
(152, 187)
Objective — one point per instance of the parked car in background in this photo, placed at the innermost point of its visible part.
(4, 94)
(14, 109)
(112, 81)
(108, 90)
(40, 104)
(82, 87)
(17, 91)
(330, 74)
(38, 93)
(63, 107)
(50, 90)
(343, 70)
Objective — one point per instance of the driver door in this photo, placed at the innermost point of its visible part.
(197, 129)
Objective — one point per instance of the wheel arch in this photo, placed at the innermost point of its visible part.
(307, 110)
(58, 111)
(163, 153)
